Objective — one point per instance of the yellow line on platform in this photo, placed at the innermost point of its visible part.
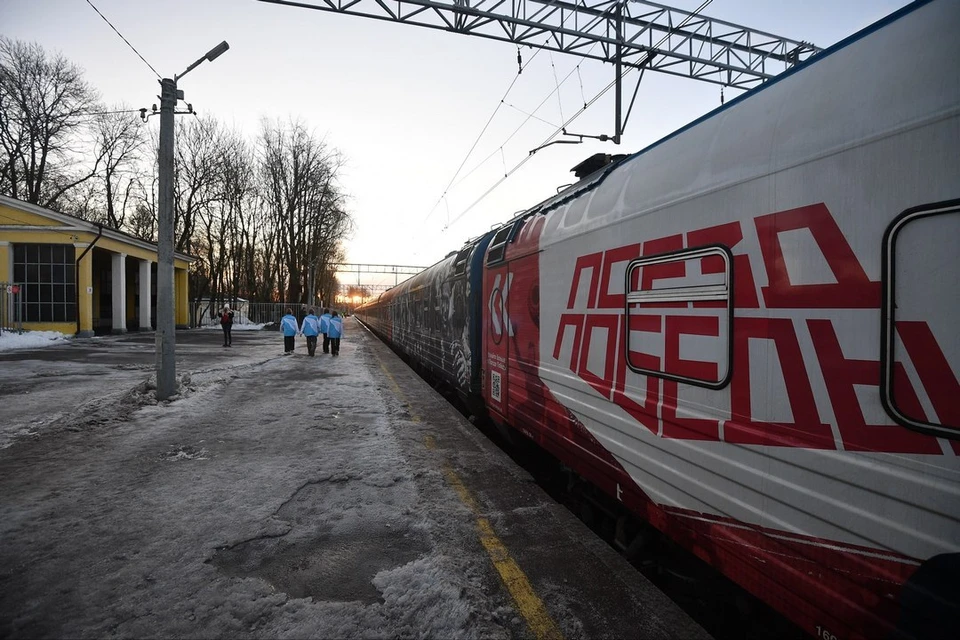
(531, 607)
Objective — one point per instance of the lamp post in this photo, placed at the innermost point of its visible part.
(166, 322)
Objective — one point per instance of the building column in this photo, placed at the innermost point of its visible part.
(6, 262)
(118, 295)
(181, 301)
(145, 289)
(6, 275)
(84, 290)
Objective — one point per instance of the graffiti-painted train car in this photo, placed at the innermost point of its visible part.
(747, 333)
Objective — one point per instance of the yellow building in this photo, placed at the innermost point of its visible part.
(77, 277)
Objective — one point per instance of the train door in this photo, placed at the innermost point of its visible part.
(496, 292)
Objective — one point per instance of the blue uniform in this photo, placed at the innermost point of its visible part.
(324, 326)
(335, 328)
(310, 326)
(334, 332)
(288, 325)
(311, 329)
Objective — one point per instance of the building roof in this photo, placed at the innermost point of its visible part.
(80, 224)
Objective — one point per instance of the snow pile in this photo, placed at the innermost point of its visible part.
(239, 327)
(10, 340)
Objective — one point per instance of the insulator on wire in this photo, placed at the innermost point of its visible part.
(519, 62)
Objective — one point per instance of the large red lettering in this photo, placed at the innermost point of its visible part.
(730, 235)
(841, 375)
(935, 373)
(646, 413)
(574, 320)
(662, 271)
(806, 430)
(602, 383)
(675, 426)
(607, 300)
(852, 290)
(592, 262)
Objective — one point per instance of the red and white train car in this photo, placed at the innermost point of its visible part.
(747, 333)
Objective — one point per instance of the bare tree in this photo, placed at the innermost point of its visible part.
(299, 176)
(44, 103)
(119, 140)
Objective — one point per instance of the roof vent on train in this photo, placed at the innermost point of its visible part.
(595, 162)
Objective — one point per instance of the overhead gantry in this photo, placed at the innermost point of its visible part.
(626, 33)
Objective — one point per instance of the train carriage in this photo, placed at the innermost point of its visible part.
(433, 319)
(746, 333)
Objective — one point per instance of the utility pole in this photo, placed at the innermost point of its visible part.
(166, 321)
(166, 326)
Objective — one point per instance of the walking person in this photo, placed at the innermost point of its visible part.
(311, 329)
(288, 324)
(324, 325)
(335, 332)
(226, 323)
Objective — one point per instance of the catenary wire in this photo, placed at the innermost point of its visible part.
(574, 116)
(124, 39)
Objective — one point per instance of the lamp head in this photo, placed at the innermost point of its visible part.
(214, 53)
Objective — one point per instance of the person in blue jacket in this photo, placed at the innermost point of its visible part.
(311, 329)
(335, 332)
(324, 323)
(288, 325)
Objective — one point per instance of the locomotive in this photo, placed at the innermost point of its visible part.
(745, 333)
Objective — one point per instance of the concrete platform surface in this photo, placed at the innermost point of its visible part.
(282, 497)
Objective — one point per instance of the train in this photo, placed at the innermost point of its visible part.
(745, 334)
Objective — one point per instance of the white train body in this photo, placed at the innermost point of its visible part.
(756, 322)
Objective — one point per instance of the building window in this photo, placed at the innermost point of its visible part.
(680, 316)
(46, 275)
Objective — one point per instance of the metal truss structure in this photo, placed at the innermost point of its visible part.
(396, 270)
(370, 289)
(631, 33)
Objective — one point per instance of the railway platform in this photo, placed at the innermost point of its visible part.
(284, 497)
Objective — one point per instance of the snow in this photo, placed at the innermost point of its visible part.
(239, 327)
(271, 497)
(249, 505)
(10, 339)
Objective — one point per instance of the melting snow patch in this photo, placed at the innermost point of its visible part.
(186, 453)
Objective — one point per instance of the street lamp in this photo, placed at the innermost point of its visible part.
(166, 323)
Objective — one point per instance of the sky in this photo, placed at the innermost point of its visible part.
(403, 104)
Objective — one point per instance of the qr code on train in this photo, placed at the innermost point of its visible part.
(495, 385)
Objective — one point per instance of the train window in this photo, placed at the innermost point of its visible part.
(498, 246)
(460, 262)
(679, 310)
(515, 231)
(920, 349)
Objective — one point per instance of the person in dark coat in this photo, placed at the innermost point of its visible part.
(226, 323)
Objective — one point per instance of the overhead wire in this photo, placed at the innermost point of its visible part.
(108, 113)
(482, 131)
(124, 39)
(516, 131)
(586, 105)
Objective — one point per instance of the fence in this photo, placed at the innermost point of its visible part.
(256, 313)
(10, 318)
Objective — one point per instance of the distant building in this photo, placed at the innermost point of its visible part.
(50, 257)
